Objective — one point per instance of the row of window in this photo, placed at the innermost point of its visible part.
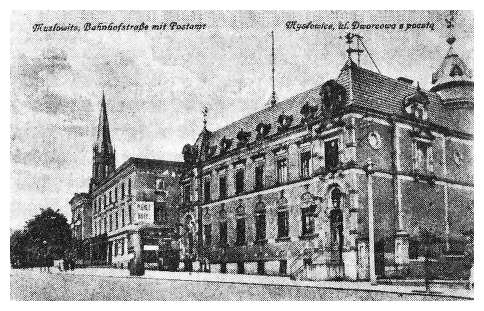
(101, 202)
(331, 160)
(308, 215)
(106, 224)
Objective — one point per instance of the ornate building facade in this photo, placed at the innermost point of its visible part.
(336, 182)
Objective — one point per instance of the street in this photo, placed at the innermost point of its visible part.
(36, 285)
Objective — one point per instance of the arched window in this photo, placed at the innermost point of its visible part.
(240, 225)
(222, 226)
(336, 225)
(282, 217)
(308, 214)
(260, 221)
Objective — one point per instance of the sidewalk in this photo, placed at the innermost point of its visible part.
(437, 289)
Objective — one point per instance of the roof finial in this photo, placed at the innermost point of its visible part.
(205, 113)
(273, 99)
(450, 26)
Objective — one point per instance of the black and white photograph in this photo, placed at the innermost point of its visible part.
(221, 155)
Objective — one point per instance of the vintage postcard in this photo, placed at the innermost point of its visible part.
(242, 155)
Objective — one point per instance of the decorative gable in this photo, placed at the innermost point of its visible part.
(262, 130)
(333, 97)
(243, 138)
(284, 122)
(415, 105)
(225, 144)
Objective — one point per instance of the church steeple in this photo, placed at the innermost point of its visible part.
(103, 152)
(103, 141)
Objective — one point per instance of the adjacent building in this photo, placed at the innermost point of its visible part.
(81, 225)
(129, 209)
(316, 185)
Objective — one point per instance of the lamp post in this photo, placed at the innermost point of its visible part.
(44, 248)
(371, 231)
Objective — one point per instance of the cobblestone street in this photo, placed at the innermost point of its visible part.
(34, 285)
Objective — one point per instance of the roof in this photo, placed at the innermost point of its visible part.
(140, 163)
(452, 68)
(376, 91)
(268, 115)
(366, 89)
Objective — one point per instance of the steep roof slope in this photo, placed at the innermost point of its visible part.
(365, 89)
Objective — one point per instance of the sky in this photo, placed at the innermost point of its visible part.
(157, 82)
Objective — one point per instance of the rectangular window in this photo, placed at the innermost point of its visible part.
(116, 248)
(331, 154)
(239, 181)
(122, 246)
(105, 201)
(305, 164)
(115, 194)
(307, 219)
(282, 224)
(223, 233)
(99, 204)
(110, 223)
(281, 171)
(129, 187)
(122, 191)
(259, 177)
(207, 231)
(116, 221)
(260, 226)
(423, 157)
(206, 190)
(186, 193)
(105, 225)
(222, 187)
(95, 228)
(160, 184)
(122, 218)
(110, 196)
(240, 240)
(130, 214)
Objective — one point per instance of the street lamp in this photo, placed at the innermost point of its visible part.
(44, 244)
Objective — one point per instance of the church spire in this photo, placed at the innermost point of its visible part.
(103, 151)
(103, 141)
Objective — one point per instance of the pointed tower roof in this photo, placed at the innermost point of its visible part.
(452, 69)
(103, 141)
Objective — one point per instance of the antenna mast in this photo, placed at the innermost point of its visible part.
(359, 40)
(273, 99)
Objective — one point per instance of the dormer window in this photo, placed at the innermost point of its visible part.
(243, 138)
(415, 105)
(225, 144)
(262, 130)
(333, 96)
(456, 71)
(284, 122)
